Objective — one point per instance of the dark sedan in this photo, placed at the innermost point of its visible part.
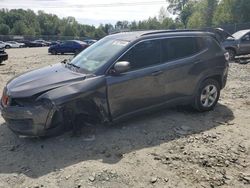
(70, 46)
(31, 44)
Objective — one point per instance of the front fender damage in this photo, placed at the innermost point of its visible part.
(86, 100)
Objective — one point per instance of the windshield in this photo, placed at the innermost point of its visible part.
(98, 54)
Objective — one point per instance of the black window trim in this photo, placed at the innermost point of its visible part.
(144, 40)
(191, 55)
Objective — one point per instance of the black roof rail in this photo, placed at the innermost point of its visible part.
(169, 31)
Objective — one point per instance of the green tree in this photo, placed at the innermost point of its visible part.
(163, 13)
(4, 29)
(176, 6)
(186, 13)
(242, 11)
(225, 12)
(168, 23)
(203, 12)
(19, 28)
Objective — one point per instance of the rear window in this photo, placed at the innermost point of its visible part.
(177, 48)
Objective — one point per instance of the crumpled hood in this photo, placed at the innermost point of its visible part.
(42, 80)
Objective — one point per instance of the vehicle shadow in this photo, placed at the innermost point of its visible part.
(108, 144)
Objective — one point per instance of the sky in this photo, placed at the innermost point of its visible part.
(92, 12)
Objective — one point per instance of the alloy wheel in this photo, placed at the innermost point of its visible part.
(208, 96)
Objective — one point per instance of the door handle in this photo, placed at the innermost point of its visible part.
(156, 73)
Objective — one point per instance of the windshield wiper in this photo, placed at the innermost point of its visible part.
(66, 62)
(73, 65)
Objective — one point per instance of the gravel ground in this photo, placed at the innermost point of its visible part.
(171, 148)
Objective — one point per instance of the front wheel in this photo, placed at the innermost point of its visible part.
(54, 52)
(231, 54)
(207, 95)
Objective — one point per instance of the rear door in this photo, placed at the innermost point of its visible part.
(180, 56)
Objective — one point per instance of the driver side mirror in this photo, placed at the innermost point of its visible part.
(121, 66)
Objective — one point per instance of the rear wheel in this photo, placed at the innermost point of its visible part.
(207, 95)
(7, 46)
(53, 52)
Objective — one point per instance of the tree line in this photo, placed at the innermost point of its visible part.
(188, 14)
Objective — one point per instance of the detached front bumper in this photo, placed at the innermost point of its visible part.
(28, 121)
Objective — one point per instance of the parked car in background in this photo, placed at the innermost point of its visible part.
(120, 76)
(70, 46)
(2, 44)
(5, 45)
(238, 44)
(15, 44)
(52, 43)
(43, 42)
(90, 41)
(3, 55)
(31, 44)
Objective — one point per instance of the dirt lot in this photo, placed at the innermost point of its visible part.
(172, 148)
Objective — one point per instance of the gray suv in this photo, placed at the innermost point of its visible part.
(238, 44)
(117, 77)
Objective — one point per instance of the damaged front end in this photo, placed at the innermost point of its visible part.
(53, 111)
(27, 116)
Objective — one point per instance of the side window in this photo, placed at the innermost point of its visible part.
(214, 45)
(177, 48)
(144, 54)
(68, 43)
(246, 38)
(201, 43)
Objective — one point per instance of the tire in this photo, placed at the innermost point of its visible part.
(207, 96)
(231, 54)
(53, 52)
(7, 46)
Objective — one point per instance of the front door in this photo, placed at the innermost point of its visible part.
(245, 44)
(139, 87)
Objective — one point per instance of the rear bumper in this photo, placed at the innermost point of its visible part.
(28, 121)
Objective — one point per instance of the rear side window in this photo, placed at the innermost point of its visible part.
(177, 48)
(144, 54)
(214, 45)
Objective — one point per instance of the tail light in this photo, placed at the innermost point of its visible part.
(5, 98)
(227, 56)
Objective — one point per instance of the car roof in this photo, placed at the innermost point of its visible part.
(130, 36)
(78, 41)
(240, 33)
